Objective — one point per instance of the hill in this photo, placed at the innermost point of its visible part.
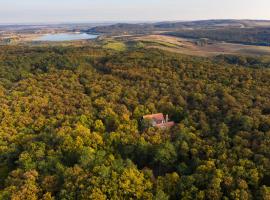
(167, 26)
(249, 36)
(250, 32)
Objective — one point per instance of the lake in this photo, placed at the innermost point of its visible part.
(60, 37)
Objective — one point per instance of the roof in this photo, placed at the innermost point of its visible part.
(156, 117)
(159, 121)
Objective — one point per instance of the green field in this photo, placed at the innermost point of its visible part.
(115, 45)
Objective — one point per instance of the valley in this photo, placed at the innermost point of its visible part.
(182, 37)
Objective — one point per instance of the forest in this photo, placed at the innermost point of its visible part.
(249, 36)
(70, 125)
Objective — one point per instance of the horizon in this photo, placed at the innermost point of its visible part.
(115, 22)
(102, 11)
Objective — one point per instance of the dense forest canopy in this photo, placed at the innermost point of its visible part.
(70, 125)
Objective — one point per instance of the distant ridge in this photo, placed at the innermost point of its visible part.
(146, 27)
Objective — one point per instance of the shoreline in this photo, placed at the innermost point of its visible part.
(16, 38)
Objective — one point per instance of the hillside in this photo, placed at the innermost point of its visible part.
(70, 125)
(249, 36)
(169, 26)
(248, 32)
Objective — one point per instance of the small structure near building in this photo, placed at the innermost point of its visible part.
(158, 120)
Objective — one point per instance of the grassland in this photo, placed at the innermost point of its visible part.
(115, 45)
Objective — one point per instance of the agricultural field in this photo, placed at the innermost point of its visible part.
(190, 46)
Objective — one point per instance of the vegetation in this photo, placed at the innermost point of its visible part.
(247, 61)
(146, 28)
(115, 45)
(161, 43)
(254, 36)
(70, 125)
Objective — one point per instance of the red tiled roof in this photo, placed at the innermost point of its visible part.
(156, 117)
(159, 120)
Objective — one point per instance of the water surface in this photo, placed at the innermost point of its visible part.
(59, 37)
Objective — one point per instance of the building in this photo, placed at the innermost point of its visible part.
(158, 120)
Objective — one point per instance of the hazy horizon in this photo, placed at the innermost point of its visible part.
(103, 11)
(113, 22)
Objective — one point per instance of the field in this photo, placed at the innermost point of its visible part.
(114, 45)
(189, 47)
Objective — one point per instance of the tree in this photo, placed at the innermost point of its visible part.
(99, 127)
(165, 156)
(265, 193)
(134, 185)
